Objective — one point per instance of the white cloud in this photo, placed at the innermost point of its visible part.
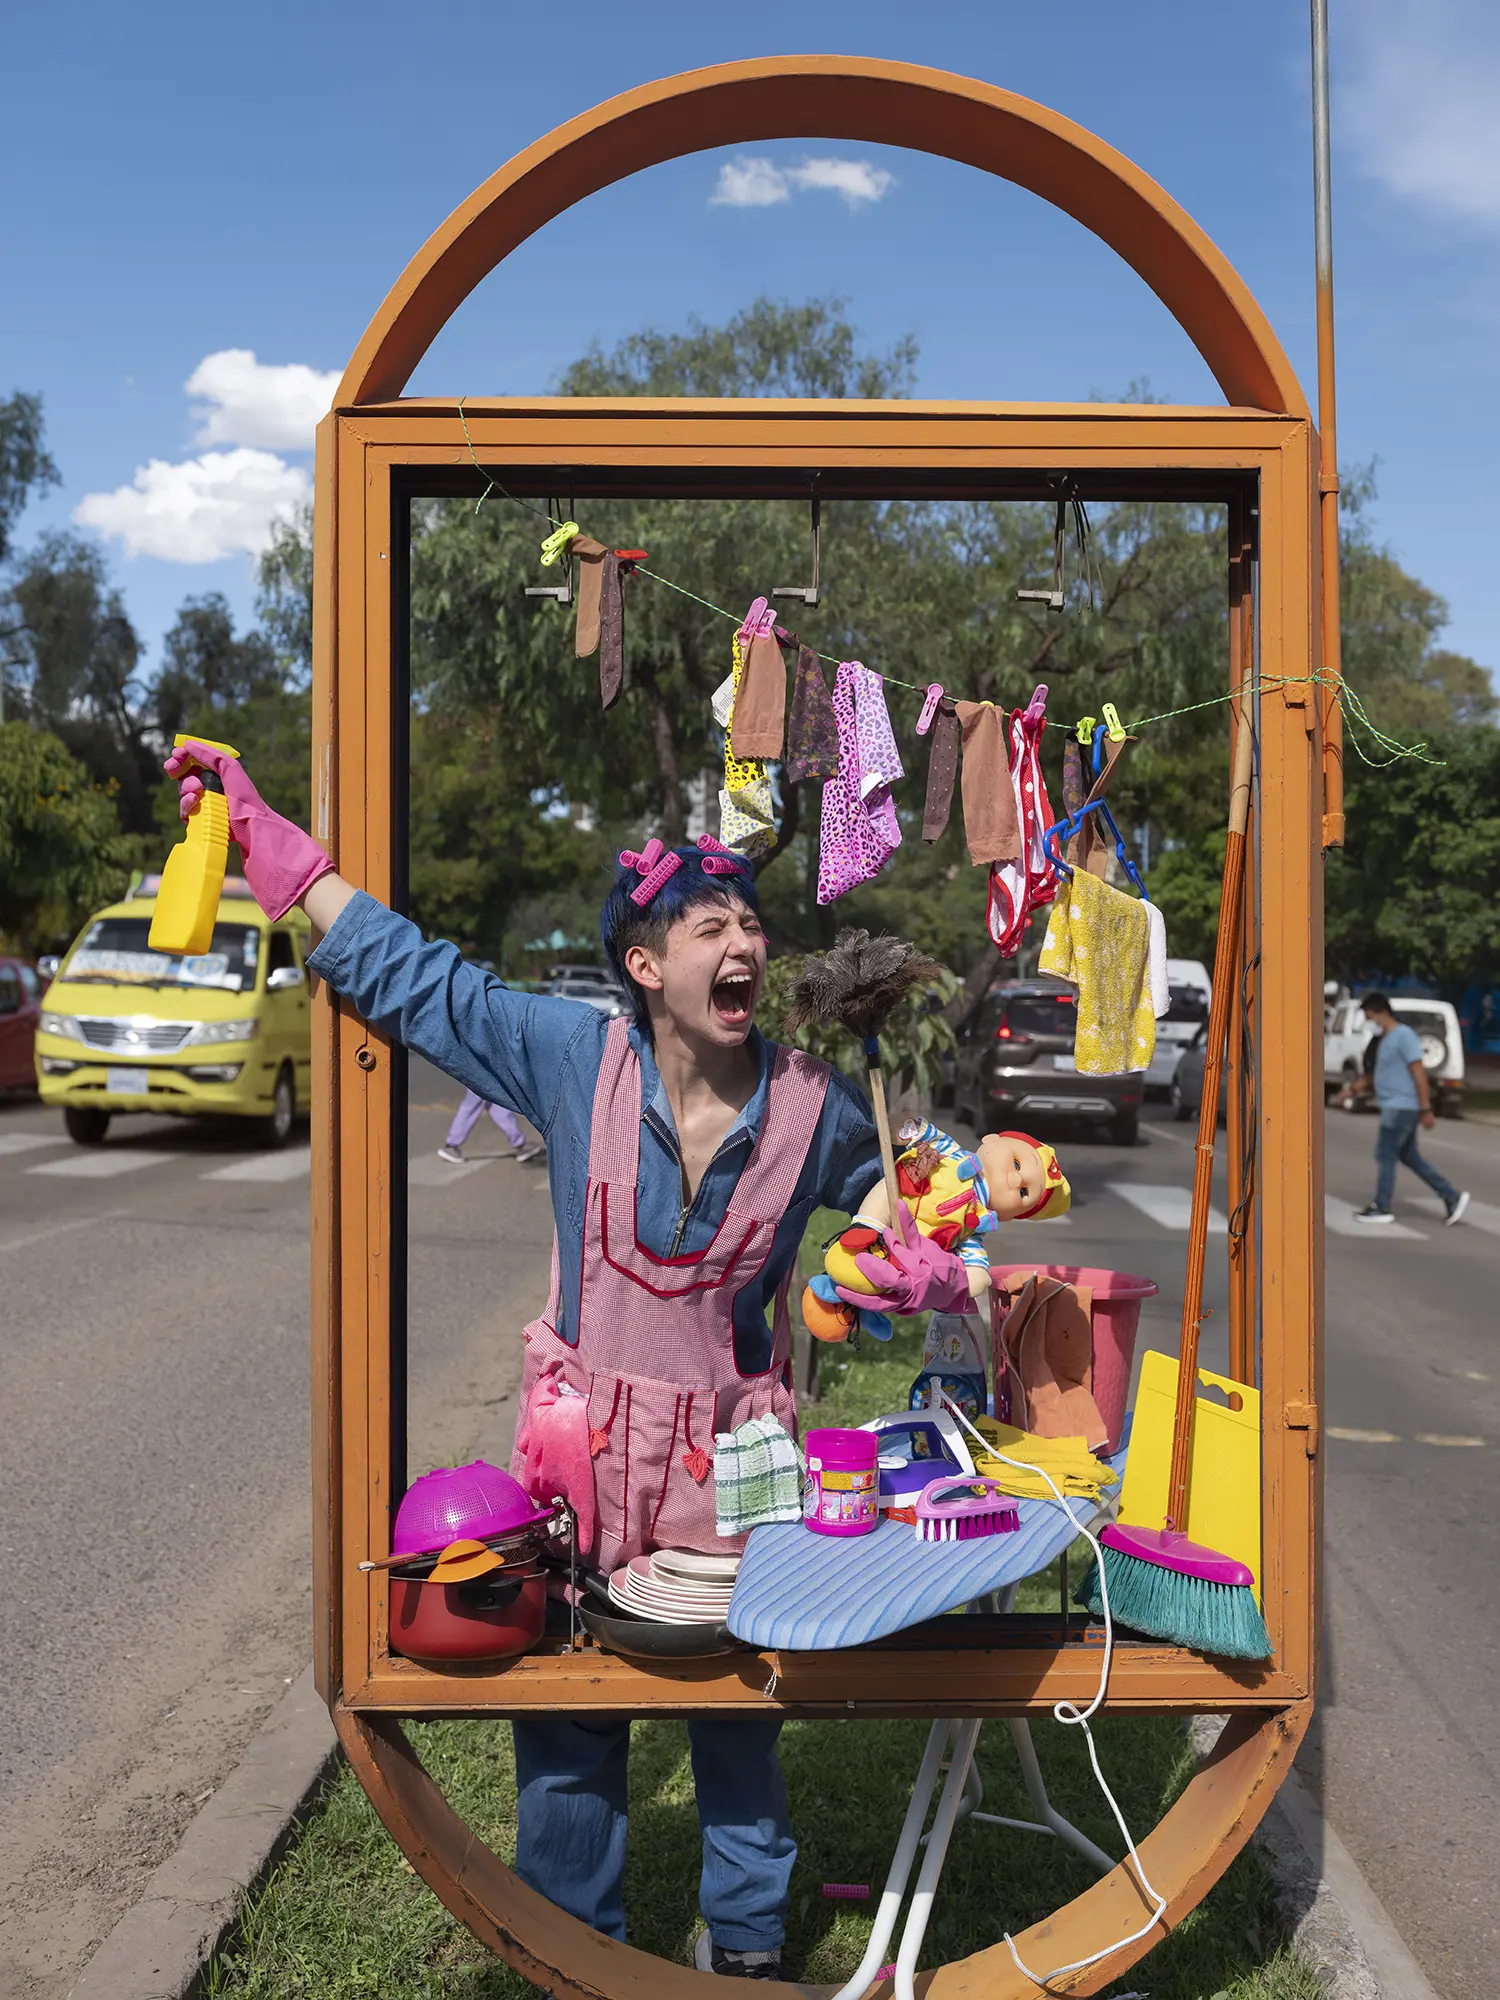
(1418, 102)
(755, 182)
(246, 401)
(221, 504)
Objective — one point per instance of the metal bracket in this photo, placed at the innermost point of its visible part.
(561, 593)
(1304, 1417)
(810, 595)
(1054, 597)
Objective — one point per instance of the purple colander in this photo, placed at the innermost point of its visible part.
(462, 1502)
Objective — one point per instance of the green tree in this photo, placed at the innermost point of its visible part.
(26, 467)
(61, 850)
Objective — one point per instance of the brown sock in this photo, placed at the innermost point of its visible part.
(758, 724)
(590, 555)
(942, 770)
(611, 629)
(812, 733)
(990, 824)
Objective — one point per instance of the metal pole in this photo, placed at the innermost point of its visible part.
(1328, 465)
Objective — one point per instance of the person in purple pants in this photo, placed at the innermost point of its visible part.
(467, 1117)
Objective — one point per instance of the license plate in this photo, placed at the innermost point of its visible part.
(1066, 1062)
(134, 1082)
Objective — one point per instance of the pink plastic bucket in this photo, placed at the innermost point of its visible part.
(1116, 1315)
(843, 1486)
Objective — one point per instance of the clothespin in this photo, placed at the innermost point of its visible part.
(929, 707)
(1036, 708)
(1113, 723)
(759, 621)
(555, 543)
(628, 558)
(1085, 730)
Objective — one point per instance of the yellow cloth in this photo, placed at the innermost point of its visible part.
(747, 822)
(1070, 1462)
(1100, 940)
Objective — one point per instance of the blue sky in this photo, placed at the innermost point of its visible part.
(188, 186)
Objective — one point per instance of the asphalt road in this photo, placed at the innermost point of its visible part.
(153, 1491)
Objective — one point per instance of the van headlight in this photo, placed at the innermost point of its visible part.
(60, 1024)
(226, 1031)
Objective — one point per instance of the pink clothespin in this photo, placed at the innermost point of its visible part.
(1036, 708)
(929, 707)
(759, 622)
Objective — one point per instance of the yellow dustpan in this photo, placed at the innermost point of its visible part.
(1223, 1485)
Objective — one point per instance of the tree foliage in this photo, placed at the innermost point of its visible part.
(61, 850)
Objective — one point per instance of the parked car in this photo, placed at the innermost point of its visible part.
(20, 1010)
(1186, 1093)
(610, 1000)
(223, 1033)
(1015, 1061)
(1191, 990)
(580, 975)
(1349, 1035)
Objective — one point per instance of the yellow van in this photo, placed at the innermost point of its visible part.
(225, 1033)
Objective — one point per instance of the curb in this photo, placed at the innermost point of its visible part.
(159, 1947)
(1336, 1922)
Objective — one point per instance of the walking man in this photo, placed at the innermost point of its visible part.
(467, 1117)
(1400, 1084)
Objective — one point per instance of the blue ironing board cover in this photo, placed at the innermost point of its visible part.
(808, 1593)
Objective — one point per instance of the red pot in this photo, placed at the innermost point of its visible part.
(493, 1618)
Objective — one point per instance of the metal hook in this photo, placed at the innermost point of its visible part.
(561, 593)
(1052, 598)
(810, 596)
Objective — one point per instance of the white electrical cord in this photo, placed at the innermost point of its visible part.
(1069, 1712)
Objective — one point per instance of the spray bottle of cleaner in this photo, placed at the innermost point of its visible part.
(188, 901)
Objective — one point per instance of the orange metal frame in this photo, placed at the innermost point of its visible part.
(1260, 455)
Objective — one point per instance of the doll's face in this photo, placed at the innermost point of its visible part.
(1014, 1173)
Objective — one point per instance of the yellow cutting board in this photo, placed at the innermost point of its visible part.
(1223, 1503)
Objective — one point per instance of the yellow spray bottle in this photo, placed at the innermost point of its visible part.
(188, 900)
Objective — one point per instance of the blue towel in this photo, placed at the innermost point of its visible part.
(809, 1593)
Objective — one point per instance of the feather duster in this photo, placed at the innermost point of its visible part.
(857, 985)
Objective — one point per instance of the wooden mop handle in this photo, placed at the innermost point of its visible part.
(1226, 957)
(883, 1133)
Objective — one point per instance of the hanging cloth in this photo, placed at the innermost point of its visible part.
(860, 831)
(1090, 848)
(1100, 941)
(812, 737)
(1029, 883)
(590, 556)
(942, 770)
(759, 720)
(747, 821)
(611, 629)
(991, 824)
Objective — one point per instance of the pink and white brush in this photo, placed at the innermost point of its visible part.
(965, 1510)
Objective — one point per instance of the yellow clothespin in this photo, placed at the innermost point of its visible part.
(554, 545)
(1113, 723)
(1085, 731)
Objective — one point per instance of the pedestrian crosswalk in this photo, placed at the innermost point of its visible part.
(288, 1166)
(1167, 1207)
(1342, 1218)
(101, 1163)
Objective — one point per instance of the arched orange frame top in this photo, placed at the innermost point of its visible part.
(834, 97)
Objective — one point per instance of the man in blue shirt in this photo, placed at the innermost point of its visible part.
(1400, 1084)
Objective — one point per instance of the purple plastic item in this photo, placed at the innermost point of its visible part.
(1115, 1316)
(843, 1492)
(465, 1501)
(1169, 1550)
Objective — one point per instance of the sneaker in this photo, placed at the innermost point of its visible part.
(535, 1151)
(1373, 1214)
(1456, 1212)
(453, 1154)
(709, 1957)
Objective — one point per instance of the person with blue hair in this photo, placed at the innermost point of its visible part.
(686, 1154)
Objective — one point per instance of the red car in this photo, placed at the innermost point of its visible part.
(20, 1008)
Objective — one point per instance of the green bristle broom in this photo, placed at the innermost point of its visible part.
(1160, 1583)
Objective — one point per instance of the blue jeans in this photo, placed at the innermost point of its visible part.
(1397, 1140)
(570, 1823)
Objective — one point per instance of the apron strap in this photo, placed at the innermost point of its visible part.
(615, 1129)
(795, 1093)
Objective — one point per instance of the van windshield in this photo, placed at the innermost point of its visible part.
(113, 951)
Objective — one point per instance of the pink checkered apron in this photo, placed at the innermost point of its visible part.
(655, 1348)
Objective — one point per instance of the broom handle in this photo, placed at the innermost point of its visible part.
(1226, 955)
(883, 1133)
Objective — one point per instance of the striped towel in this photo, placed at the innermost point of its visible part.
(757, 1477)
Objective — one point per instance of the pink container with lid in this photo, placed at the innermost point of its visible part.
(1116, 1316)
(842, 1495)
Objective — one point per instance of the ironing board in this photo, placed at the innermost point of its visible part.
(804, 1593)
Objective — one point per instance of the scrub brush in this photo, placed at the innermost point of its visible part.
(965, 1510)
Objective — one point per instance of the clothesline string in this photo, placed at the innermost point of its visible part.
(1352, 708)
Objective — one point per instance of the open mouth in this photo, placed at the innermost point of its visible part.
(731, 998)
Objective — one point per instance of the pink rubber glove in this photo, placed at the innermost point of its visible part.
(281, 861)
(917, 1277)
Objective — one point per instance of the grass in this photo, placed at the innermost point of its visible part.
(344, 1917)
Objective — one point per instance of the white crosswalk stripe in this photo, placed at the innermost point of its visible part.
(103, 1165)
(1167, 1207)
(1478, 1214)
(28, 1142)
(265, 1167)
(1339, 1216)
(429, 1171)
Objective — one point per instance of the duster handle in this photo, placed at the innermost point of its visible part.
(883, 1133)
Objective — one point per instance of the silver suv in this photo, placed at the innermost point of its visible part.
(1015, 1061)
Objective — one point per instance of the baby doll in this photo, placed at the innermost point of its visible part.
(953, 1196)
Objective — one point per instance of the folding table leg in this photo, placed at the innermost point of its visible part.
(1049, 1819)
(895, 1882)
(965, 1736)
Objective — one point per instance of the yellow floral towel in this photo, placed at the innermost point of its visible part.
(747, 822)
(1100, 940)
(1074, 1467)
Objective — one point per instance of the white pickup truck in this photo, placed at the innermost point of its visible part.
(1347, 1035)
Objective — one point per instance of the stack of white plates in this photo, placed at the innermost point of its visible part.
(676, 1587)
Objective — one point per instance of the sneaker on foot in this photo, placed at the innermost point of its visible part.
(451, 1153)
(709, 1957)
(535, 1151)
(1456, 1212)
(1373, 1214)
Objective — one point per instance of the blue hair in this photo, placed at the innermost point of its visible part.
(623, 923)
